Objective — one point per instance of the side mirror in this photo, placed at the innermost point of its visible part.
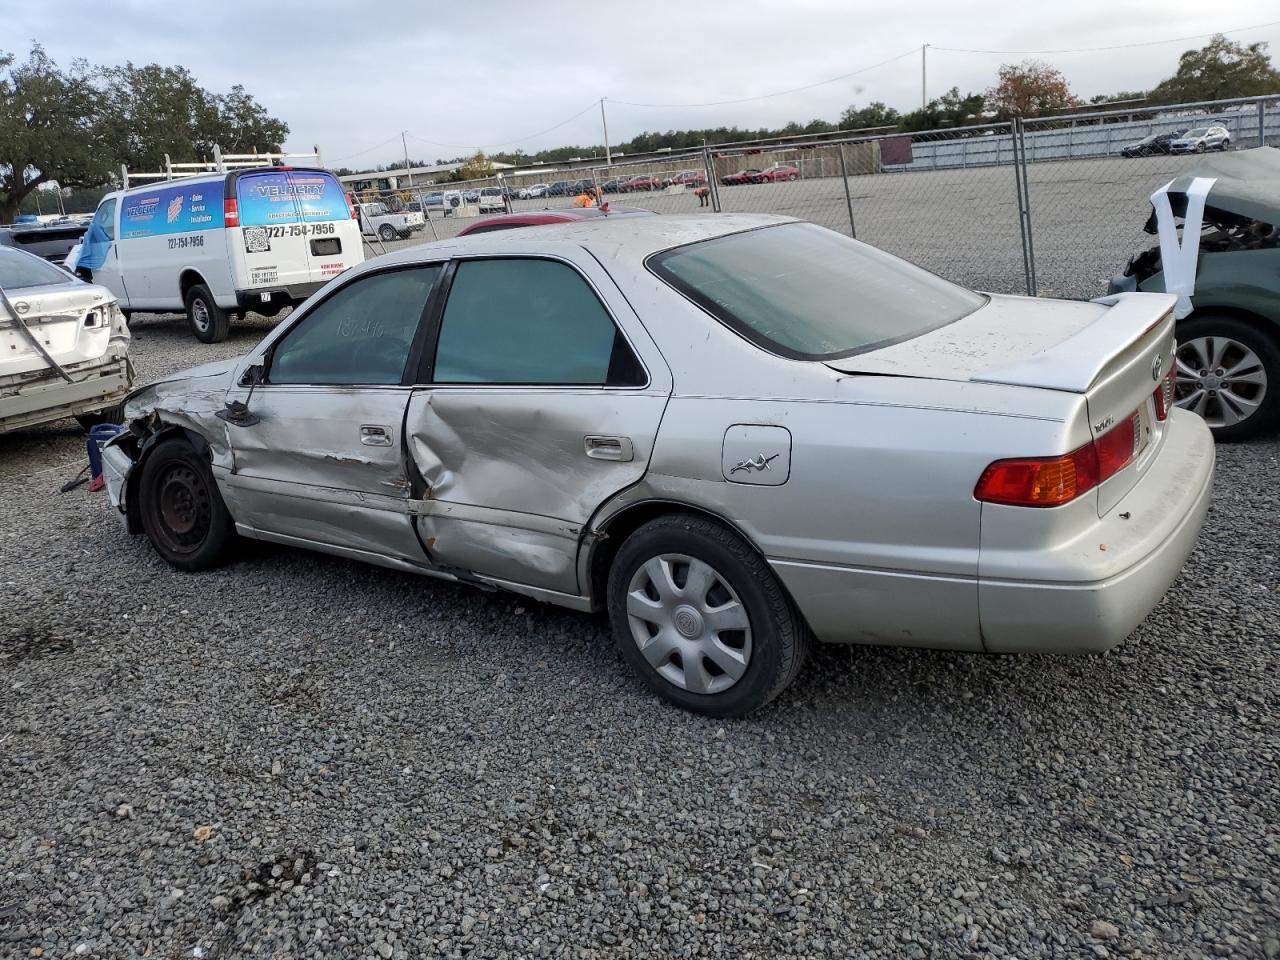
(237, 412)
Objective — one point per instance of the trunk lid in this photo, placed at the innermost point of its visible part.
(1114, 352)
(71, 322)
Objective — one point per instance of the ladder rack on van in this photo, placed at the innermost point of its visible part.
(220, 163)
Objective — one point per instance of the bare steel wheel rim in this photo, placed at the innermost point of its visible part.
(200, 314)
(183, 508)
(689, 623)
(1221, 379)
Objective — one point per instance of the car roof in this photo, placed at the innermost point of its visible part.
(627, 237)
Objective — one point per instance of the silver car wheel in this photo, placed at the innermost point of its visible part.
(1220, 379)
(200, 314)
(689, 623)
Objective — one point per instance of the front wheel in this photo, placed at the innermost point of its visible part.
(1199, 148)
(209, 322)
(793, 176)
(182, 511)
(702, 618)
(1228, 373)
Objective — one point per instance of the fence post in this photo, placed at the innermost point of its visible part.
(714, 187)
(1024, 204)
(426, 215)
(1262, 123)
(848, 201)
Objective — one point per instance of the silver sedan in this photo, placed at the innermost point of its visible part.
(733, 433)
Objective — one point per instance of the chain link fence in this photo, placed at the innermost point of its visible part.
(1051, 206)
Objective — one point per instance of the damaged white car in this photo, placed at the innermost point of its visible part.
(64, 346)
(733, 433)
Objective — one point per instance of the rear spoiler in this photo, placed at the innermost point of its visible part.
(1075, 364)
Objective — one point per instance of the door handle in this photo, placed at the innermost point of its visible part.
(372, 435)
(609, 448)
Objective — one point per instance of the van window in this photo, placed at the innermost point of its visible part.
(105, 218)
(294, 196)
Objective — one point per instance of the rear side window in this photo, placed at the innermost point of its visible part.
(361, 334)
(809, 293)
(517, 321)
(293, 196)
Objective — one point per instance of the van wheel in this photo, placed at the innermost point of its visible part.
(182, 511)
(703, 618)
(209, 322)
(387, 232)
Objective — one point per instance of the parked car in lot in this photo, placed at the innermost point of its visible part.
(534, 191)
(611, 185)
(491, 198)
(777, 171)
(1201, 139)
(377, 220)
(643, 183)
(742, 424)
(561, 188)
(1229, 341)
(539, 218)
(50, 241)
(1152, 145)
(220, 244)
(435, 199)
(64, 345)
(692, 178)
(741, 177)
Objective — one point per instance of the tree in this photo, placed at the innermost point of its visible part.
(156, 111)
(475, 168)
(50, 128)
(950, 110)
(1103, 98)
(1029, 89)
(1218, 70)
(874, 114)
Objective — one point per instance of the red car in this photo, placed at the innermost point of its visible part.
(779, 171)
(540, 218)
(692, 178)
(639, 183)
(741, 177)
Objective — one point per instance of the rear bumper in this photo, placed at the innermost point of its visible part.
(52, 398)
(288, 295)
(1150, 533)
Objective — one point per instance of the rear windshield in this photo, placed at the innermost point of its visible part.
(295, 196)
(23, 270)
(809, 293)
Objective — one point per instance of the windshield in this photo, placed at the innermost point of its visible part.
(19, 269)
(809, 293)
(1197, 133)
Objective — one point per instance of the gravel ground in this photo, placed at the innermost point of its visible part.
(298, 756)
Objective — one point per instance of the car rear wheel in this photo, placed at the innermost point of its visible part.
(793, 176)
(209, 322)
(182, 512)
(1200, 147)
(1229, 374)
(702, 618)
(387, 232)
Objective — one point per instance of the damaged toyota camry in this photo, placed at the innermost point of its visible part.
(735, 434)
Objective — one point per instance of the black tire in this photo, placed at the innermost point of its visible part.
(793, 176)
(1256, 335)
(779, 637)
(1226, 145)
(387, 233)
(1200, 147)
(182, 512)
(111, 414)
(209, 322)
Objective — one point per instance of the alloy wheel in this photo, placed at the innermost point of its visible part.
(1221, 379)
(689, 623)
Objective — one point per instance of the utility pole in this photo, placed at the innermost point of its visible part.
(407, 172)
(608, 157)
(924, 97)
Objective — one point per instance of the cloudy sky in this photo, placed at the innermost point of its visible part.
(351, 76)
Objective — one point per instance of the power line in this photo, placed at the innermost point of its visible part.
(1117, 46)
(780, 93)
(503, 143)
(360, 153)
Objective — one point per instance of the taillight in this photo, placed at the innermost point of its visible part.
(1053, 481)
(230, 212)
(1164, 393)
(351, 210)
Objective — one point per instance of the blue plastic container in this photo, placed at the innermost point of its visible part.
(98, 437)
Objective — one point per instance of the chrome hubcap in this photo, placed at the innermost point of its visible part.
(1220, 379)
(689, 624)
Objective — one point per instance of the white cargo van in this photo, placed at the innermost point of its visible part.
(218, 243)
